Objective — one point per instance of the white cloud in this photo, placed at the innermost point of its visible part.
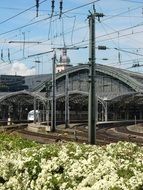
(18, 68)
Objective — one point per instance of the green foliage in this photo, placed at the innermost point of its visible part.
(125, 173)
(115, 188)
(14, 142)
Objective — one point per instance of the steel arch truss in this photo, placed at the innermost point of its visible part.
(16, 105)
(113, 73)
(24, 97)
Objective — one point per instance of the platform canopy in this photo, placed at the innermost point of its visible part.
(22, 97)
(134, 98)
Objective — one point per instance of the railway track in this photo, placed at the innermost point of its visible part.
(50, 137)
(120, 133)
(104, 135)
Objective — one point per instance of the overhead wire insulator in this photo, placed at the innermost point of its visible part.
(1, 54)
(119, 56)
(37, 7)
(53, 7)
(61, 8)
(102, 47)
(136, 65)
(8, 55)
(23, 44)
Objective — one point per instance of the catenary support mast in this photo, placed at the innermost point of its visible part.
(53, 121)
(92, 104)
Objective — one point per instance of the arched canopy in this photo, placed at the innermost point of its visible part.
(105, 75)
(22, 97)
(134, 98)
(75, 98)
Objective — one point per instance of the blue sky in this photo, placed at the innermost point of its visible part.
(72, 29)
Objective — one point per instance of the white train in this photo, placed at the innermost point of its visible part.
(30, 116)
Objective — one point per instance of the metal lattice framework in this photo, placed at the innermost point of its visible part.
(112, 84)
(135, 97)
(112, 73)
(76, 97)
(24, 97)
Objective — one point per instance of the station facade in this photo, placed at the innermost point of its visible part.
(119, 95)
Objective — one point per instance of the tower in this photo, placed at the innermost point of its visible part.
(64, 62)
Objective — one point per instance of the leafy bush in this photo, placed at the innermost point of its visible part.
(69, 166)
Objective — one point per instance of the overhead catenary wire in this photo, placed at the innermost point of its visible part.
(72, 33)
(81, 42)
(121, 30)
(124, 62)
(121, 36)
(14, 16)
(69, 32)
(109, 34)
(63, 36)
(44, 19)
(80, 7)
(131, 1)
(104, 35)
(121, 13)
(56, 36)
(119, 49)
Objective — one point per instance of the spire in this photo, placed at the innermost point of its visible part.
(64, 59)
(64, 62)
(65, 52)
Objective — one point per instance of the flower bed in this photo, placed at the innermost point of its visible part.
(25, 165)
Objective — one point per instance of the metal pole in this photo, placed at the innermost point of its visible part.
(53, 122)
(43, 119)
(106, 111)
(92, 104)
(135, 121)
(92, 99)
(34, 110)
(66, 101)
(38, 114)
(47, 112)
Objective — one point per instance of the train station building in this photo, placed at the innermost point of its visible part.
(119, 93)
